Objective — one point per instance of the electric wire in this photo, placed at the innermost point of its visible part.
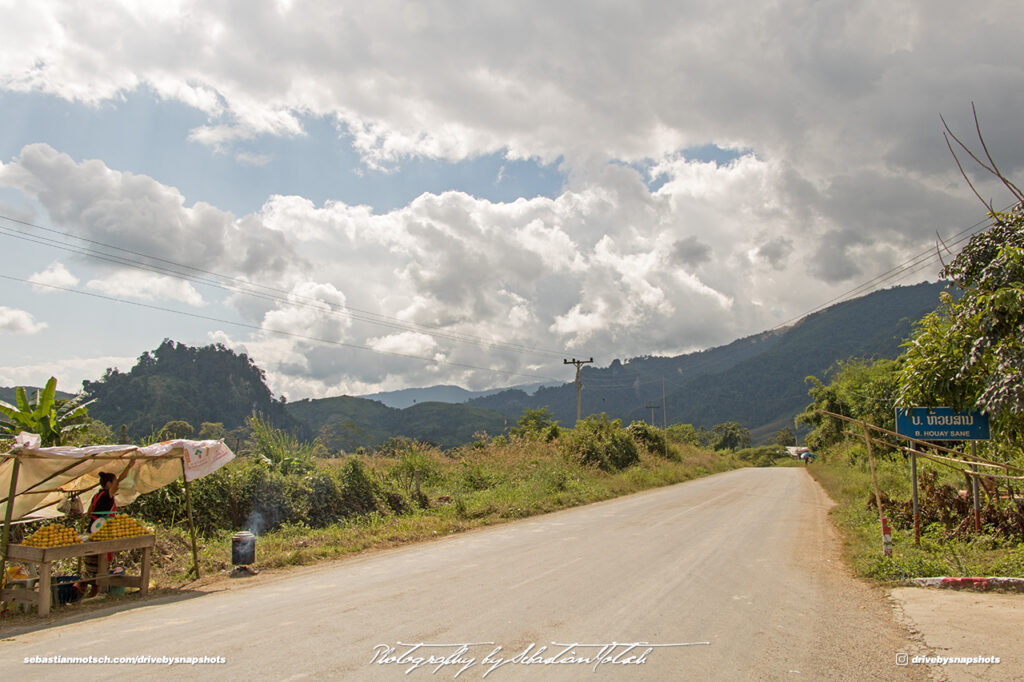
(279, 332)
(910, 266)
(237, 285)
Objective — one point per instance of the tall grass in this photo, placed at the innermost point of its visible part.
(845, 474)
(470, 487)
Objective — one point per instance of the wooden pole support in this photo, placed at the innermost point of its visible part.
(886, 547)
(191, 523)
(975, 484)
(8, 514)
(917, 512)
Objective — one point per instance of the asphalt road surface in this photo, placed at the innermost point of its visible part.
(734, 576)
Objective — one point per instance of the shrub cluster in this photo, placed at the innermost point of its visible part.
(602, 442)
(650, 437)
(250, 494)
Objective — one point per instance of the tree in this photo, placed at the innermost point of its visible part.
(54, 420)
(860, 389)
(212, 431)
(729, 436)
(969, 354)
(174, 430)
(785, 437)
(537, 424)
(682, 433)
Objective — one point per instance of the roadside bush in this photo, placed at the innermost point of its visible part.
(650, 437)
(682, 434)
(358, 491)
(250, 494)
(474, 476)
(601, 442)
(763, 456)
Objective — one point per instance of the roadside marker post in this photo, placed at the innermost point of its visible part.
(886, 533)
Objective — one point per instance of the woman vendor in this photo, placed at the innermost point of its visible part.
(103, 506)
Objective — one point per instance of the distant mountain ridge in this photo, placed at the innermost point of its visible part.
(407, 397)
(757, 381)
(347, 423)
(9, 394)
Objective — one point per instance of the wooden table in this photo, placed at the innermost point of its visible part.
(44, 559)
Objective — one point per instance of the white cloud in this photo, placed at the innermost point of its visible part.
(250, 159)
(146, 287)
(70, 371)
(843, 172)
(826, 85)
(137, 213)
(405, 343)
(55, 275)
(14, 321)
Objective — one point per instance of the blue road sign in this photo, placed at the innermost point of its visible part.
(941, 423)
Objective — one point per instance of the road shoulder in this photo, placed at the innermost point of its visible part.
(966, 625)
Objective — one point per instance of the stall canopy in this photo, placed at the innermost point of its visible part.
(46, 475)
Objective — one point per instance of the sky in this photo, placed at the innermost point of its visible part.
(374, 196)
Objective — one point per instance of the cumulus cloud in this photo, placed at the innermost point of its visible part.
(146, 287)
(825, 84)
(14, 321)
(71, 370)
(138, 214)
(55, 275)
(839, 170)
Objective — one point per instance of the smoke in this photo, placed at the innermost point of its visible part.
(255, 523)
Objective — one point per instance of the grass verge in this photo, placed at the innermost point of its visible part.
(846, 477)
(513, 483)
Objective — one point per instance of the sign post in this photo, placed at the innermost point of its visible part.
(943, 423)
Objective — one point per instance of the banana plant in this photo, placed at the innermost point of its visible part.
(44, 414)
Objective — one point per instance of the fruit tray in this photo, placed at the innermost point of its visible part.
(41, 554)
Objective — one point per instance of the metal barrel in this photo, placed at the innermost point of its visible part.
(243, 548)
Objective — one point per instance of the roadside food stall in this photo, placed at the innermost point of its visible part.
(35, 481)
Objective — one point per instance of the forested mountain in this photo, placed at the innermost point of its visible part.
(407, 397)
(9, 394)
(179, 382)
(757, 381)
(346, 423)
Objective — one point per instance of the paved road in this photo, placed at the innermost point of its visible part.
(734, 576)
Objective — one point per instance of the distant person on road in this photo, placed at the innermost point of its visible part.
(807, 457)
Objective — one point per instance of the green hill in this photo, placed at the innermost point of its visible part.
(9, 394)
(347, 423)
(179, 382)
(757, 381)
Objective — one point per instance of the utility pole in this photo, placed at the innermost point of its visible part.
(664, 407)
(652, 408)
(579, 383)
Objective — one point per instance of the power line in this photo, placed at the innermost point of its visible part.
(237, 285)
(279, 332)
(910, 266)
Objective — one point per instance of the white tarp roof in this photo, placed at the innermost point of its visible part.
(78, 469)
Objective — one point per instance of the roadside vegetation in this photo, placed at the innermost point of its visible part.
(308, 504)
(949, 544)
(307, 508)
(967, 355)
